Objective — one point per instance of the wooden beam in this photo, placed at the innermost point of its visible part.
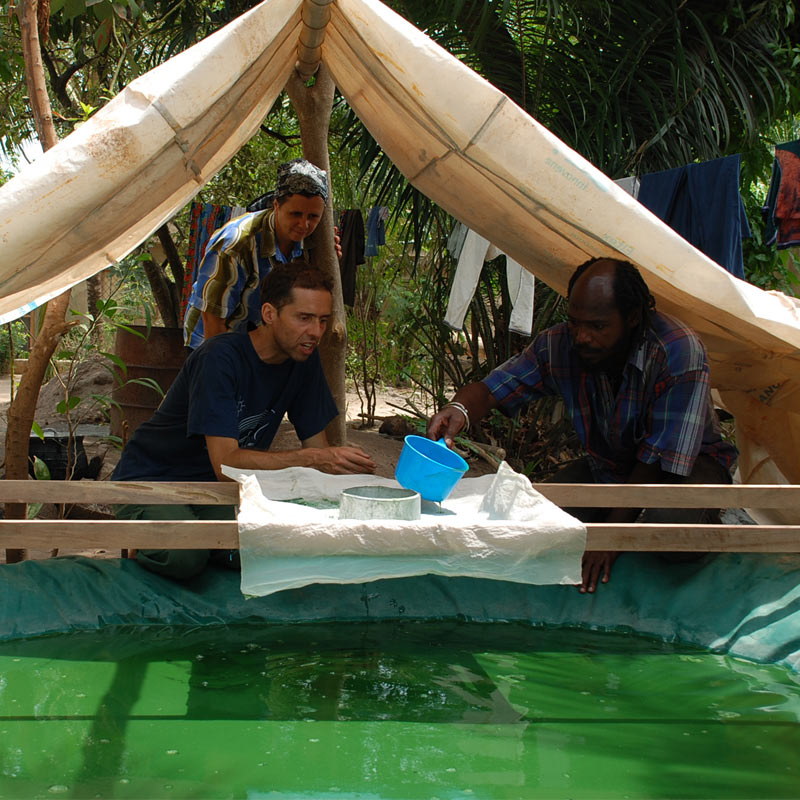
(120, 534)
(610, 495)
(108, 492)
(669, 495)
(190, 534)
(694, 538)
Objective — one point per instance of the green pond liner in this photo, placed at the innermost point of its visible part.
(746, 605)
(391, 710)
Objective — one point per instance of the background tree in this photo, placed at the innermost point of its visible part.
(54, 325)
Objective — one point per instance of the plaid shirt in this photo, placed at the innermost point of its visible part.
(238, 257)
(662, 411)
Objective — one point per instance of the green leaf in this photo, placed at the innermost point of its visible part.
(68, 405)
(107, 308)
(150, 383)
(36, 429)
(131, 330)
(102, 36)
(74, 8)
(103, 400)
(103, 11)
(40, 470)
(116, 360)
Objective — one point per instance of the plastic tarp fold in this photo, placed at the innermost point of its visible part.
(744, 604)
(496, 526)
(96, 195)
(101, 191)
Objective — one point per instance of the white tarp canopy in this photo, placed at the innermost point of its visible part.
(104, 189)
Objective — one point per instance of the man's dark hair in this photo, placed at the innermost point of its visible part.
(631, 293)
(276, 288)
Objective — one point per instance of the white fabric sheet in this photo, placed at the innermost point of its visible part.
(495, 526)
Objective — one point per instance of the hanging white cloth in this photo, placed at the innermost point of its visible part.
(521, 285)
(630, 185)
(475, 251)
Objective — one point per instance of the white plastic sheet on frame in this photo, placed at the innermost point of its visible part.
(496, 526)
(104, 189)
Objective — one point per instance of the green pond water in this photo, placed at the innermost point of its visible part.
(391, 710)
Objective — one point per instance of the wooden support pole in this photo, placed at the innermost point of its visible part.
(191, 534)
(315, 15)
(669, 495)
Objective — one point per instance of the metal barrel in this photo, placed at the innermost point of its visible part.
(159, 355)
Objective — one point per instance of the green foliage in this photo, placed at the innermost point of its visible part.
(91, 335)
(94, 49)
(765, 265)
(632, 86)
(380, 349)
(41, 472)
(13, 343)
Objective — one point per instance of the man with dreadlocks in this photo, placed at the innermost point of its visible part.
(636, 385)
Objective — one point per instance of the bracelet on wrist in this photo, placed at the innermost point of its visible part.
(459, 407)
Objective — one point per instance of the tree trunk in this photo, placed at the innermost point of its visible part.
(94, 293)
(313, 105)
(27, 12)
(23, 407)
(162, 293)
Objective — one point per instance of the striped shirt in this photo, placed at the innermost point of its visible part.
(238, 257)
(662, 411)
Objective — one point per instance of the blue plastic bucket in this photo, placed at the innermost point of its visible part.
(428, 467)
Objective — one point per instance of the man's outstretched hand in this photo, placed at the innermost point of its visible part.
(596, 567)
(347, 460)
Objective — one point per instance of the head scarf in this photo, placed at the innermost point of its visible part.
(301, 177)
(294, 177)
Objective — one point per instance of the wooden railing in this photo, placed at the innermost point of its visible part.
(123, 534)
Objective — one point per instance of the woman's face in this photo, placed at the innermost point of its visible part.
(296, 217)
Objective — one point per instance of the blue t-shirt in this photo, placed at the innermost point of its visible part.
(225, 389)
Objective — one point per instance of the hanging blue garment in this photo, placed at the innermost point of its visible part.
(376, 230)
(782, 209)
(702, 203)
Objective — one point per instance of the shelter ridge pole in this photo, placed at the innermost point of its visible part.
(315, 15)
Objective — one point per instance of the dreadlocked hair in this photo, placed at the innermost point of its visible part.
(631, 293)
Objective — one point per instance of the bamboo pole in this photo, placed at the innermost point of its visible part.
(315, 15)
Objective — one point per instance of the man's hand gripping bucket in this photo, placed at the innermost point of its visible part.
(429, 467)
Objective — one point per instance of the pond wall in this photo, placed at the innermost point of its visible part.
(747, 605)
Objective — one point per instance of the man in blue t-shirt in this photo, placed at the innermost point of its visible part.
(635, 383)
(226, 404)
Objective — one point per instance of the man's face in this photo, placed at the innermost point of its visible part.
(601, 336)
(297, 217)
(298, 326)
